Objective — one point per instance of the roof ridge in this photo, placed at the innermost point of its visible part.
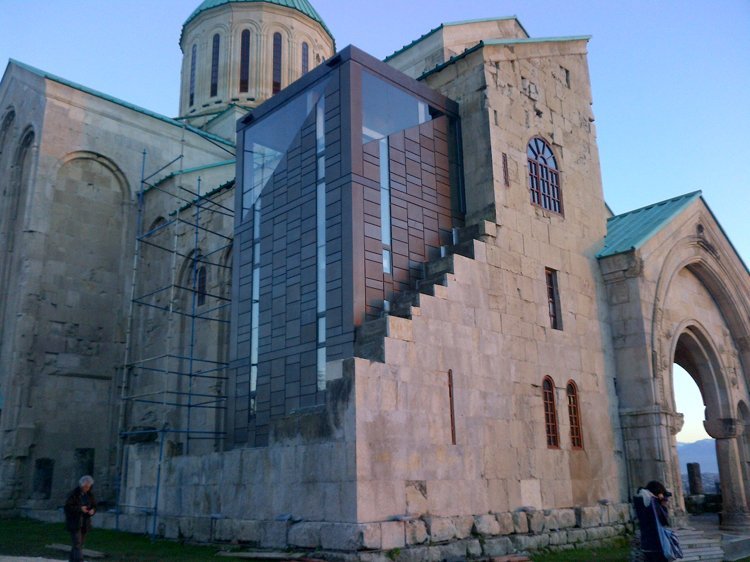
(663, 202)
(118, 101)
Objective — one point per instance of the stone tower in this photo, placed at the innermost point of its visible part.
(239, 53)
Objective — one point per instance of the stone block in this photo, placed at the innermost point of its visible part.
(440, 529)
(486, 525)
(392, 535)
(464, 525)
(498, 546)
(598, 533)
(505, 523)
(588, 517)
(536, 521)
(557, 538)
(451, 552)
(350, 536)
(247, 531)
(473, 548)
(273, 534)
(529, 542)
(576, 536)
(520, 522)
(415, 532)
(566, 518)
(305, 534)
(415, 554)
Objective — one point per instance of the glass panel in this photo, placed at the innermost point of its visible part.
(387, 109)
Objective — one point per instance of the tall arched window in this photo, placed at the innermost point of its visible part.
(574, 414)
(550, 413)
(245, 61)
(544, 176)
(193, 62)
(5, 128)
(215, 66)
(200, 285)
(305, 58)
(276, 85)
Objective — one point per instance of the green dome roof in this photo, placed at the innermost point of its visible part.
(302, 6)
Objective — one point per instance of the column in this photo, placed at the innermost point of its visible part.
(734, 513)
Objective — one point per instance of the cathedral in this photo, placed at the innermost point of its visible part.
(359, 307)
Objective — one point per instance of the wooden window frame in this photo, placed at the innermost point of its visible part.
(574, 415)
(551, 427)
(544, 176)
(553, 298)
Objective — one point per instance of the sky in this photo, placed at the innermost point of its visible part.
(670, 79)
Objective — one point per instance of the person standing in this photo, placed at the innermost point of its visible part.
(79, 509)
(652, 511)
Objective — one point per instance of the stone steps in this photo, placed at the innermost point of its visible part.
(697, 547)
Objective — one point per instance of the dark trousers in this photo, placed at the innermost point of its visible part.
(77, 538)
(655, 557)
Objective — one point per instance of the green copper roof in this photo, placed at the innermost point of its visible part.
(302, 6)
(214, 139)
(631, 230)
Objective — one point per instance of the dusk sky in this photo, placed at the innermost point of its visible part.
(670, 79)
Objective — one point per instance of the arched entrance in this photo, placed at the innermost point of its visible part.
(696, 353)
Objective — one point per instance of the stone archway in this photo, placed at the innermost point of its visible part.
(694, 351)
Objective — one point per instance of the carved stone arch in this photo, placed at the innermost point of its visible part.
(106, 162)
(686, 342)
(693, 349)
(719, 281)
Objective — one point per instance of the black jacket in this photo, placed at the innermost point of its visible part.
(647, 517)
(75, 518)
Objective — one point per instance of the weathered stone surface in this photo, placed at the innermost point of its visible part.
(520, 522)
(536, 521)
(416, 532)
(497, 546)
(392, 535)
(529, 542)
(305, 534)
(473, 548)
(440, 528)
(588, 517)
(505, 523)
(464, 525)
(273, 534)
(576, 536)
(486, 525)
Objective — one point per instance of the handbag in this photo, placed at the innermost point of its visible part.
(670, 543)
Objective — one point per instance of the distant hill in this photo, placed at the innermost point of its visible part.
(702, 452)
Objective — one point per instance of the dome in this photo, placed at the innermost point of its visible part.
(302, 6)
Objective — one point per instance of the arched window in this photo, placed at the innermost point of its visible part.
(276, 85)
(245, 61)
(200, 285)
(574, 414)
(215, 66)
(5, 128)
(305, 58)
(544, 176)
(193, 62)
(550, 413)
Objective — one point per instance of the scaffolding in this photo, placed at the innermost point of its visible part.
(173, 384)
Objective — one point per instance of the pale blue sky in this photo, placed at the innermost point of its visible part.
(670, 79)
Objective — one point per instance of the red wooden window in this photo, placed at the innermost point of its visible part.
(276, 86)
(544, 177)
(574, 414)
(245, 61)
(550, 413)
(553, 299)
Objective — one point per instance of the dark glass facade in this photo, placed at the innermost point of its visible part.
(348, 181)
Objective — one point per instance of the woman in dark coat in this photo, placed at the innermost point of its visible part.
(651, 504)
(79, 509)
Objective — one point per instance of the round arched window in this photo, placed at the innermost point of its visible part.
(544, 176)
